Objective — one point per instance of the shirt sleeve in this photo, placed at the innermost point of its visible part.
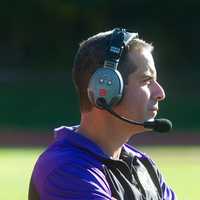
(73, 182)
(168, 193)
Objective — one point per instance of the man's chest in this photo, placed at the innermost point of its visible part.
(130, 182)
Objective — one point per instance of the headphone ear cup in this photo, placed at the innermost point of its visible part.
(107, 84)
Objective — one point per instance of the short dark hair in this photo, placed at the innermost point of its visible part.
(91, 55)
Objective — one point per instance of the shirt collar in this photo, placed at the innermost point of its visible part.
(79, 140)
(82, 142)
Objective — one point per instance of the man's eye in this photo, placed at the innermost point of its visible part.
(147, 81)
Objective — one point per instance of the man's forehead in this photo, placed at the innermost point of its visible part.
(144, 62)
(148, 58)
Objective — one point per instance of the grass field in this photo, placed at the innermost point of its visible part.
(180, 165)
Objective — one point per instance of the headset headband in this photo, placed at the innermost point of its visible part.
(119, 39)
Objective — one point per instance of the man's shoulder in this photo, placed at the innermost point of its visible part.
(65, 166)
(64, 161)
(62, 153)
(68, 147)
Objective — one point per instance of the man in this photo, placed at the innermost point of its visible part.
(115, 75)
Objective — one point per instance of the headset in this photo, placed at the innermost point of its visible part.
(106, 85)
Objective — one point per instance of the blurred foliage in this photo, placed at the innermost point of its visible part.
(43, 35)
(45, 32)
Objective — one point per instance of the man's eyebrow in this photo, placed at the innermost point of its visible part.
(146, 76)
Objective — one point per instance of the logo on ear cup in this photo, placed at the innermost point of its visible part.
(105, 83)
(102, 92)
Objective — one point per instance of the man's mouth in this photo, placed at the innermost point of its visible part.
(154, 109)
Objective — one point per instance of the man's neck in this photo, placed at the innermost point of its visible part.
(107, 132)
(108, 143)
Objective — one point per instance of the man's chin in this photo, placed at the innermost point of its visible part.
(151, 115)
(150, 119)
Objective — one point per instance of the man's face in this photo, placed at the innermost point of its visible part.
(143, 92)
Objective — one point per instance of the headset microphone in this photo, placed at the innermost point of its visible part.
(158, 125)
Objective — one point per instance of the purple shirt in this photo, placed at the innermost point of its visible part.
(71, 168)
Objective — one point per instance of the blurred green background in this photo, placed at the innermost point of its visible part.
(179, 165)
(39, 38)
(38, 41)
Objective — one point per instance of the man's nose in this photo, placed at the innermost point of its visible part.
(159, 93)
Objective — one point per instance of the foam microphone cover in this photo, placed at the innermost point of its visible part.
(159, 125)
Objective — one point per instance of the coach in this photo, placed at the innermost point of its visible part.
(115, 77)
